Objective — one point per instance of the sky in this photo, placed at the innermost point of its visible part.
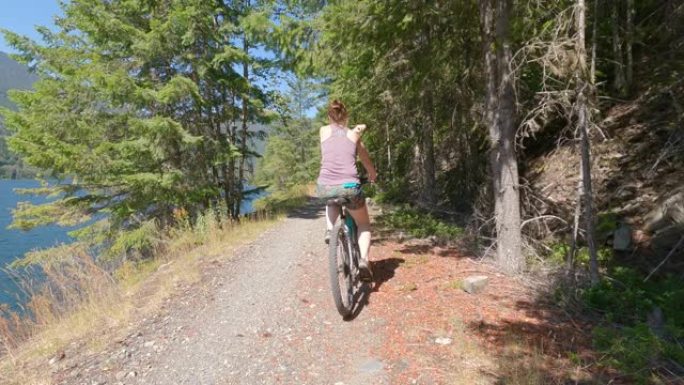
(21, 16)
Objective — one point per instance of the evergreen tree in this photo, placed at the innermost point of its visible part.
(135, 113)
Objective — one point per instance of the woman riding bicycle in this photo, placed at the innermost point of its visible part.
(340, 178)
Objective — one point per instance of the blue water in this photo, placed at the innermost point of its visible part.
(15, 243)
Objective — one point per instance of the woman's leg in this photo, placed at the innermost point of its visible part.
(331, 215)
(362, 220)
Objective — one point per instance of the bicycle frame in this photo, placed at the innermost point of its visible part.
(350, 230)
(343, 261)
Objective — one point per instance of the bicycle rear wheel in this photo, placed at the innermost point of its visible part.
(339, 266)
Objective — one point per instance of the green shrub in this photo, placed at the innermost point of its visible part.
(626, 301)
(625, 296)
(421, 225)
(606, 223)
(393, 192)
(632, 349)
(559, 254)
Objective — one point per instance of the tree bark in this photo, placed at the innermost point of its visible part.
(243, 137)
(629, 42)
(232, 132)
(226, 168)
(429, 189)
(583, 121)
(389, 150)
(570, 262)
(594, 43)
(500, 118)
(618, 60)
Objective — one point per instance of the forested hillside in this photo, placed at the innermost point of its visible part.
(12, 76)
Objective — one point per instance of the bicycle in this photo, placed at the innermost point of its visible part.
(343, 259)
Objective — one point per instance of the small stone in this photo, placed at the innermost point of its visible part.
(132, 374)
(474, 284)
(443, 341)
(148, 344)
(60, 356)
(120, 375)
(622, 238)
(401, 365)
(656, 322)
(371, 366)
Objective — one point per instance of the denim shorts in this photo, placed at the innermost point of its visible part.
(354, 193)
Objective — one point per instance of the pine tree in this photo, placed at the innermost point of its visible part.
(134, 113)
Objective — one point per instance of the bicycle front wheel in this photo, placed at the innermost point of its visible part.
(339, 266)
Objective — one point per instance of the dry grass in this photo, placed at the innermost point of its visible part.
(79, 300)
(454, 284)
(523, 363)
(411, 261)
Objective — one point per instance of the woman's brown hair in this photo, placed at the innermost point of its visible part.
(337, 112)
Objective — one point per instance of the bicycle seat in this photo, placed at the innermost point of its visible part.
(338, 201)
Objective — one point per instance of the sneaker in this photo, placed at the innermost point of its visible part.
(326, 238)
(365, 272)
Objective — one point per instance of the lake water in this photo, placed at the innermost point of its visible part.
(15, 243)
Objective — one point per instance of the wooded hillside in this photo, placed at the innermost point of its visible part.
(12, 76)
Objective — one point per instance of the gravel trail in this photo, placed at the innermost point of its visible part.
(267, 317)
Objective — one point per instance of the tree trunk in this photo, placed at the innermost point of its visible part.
(500, 118)
(417, 164)
(243, 138)
(572, 253)
(232, 133)
(594, 42)
(226, 167)
(583, 121)
(618, 61)
(629, 42)
(389, 150)
(428, 171)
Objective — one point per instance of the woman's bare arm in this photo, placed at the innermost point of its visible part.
(366, 161)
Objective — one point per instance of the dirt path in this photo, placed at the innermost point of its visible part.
(266, 318)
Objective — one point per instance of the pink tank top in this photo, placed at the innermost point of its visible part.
(338, 159)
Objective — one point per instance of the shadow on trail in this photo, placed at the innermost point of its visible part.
(528, 336)
(383, 271)
(312, 210)
(456, 252)
(361, 301)
(540, 341)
